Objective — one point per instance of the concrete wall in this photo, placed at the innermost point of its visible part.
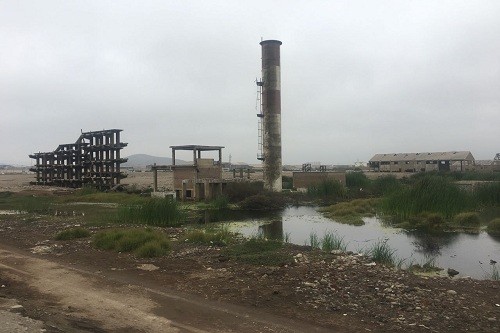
(302, 180)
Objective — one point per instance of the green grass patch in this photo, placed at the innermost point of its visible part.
(257, 251)
(27, 202)
(154, 211)
(494, 227)
(143, 242)
(210, 236)
(92, 195)
(466, 220)
(351, 212)
(72, 233)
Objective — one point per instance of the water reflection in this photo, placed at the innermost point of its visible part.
(464, 252)
(272, 230)
(431, 243)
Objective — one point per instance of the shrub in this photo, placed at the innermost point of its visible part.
(287, 182)
(238, 191)
(327, 188)
(264, 201)
(468, 220)
(72, 234)
(494, 227)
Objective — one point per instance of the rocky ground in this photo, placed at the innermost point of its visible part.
(340, 292)
(337, 292)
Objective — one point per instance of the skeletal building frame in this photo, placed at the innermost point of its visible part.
(93, 160)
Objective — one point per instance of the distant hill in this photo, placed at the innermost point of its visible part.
(141, 160)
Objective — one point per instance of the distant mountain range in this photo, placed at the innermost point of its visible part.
(141, 160)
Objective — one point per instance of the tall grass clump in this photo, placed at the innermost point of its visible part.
(356, 180)
(382, 253)
(331, 241)
(154, 211)
(494, 227)
(328, 188)
(72, 233)
(384, 185)
(488, 194)
(143, 242)
(493, 274)
(428, 193)
(314, 241)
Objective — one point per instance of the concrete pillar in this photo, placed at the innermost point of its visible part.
(208, 190)
(184, 188)
(155, 178)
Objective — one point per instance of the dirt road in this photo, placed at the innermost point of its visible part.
(69, 299)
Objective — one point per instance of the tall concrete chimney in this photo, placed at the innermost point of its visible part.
(271, 111)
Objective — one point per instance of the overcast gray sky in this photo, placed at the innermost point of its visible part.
(358, 77)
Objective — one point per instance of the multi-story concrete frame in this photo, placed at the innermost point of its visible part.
(94, 159)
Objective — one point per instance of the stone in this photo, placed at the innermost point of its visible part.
(148, 267)
(451, 292)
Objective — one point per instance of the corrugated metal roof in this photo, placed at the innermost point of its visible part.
(425, 156)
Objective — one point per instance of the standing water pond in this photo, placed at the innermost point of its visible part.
(472, 255)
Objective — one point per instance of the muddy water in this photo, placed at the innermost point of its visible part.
(470, 254)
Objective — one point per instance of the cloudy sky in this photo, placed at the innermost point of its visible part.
(358, 77)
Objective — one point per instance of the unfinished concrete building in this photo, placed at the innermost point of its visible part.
(93, 160)
(422, 162)
(200, 180)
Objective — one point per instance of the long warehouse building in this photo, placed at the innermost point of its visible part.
(422, 162)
